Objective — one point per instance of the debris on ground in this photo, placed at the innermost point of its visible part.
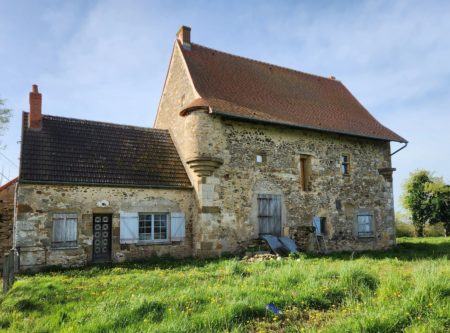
(258, 257)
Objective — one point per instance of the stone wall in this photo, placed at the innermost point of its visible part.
(6, 218)
(227, 198)
(37, 203)
(332, 195)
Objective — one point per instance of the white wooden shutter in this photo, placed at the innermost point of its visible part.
(71, 229)
(177, 227)
(316, 224)
(129, 228)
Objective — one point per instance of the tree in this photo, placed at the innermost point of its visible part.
(416, 199)
(5, 115)
(439, 200)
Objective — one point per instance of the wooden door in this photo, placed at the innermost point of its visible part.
(102, 238)
(269, 214)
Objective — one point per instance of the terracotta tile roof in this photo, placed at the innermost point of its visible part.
(8, 184)
(69, 150)
(244, 88)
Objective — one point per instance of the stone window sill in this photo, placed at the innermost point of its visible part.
(367, 237)
(143, 243)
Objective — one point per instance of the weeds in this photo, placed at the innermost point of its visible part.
(405, 289)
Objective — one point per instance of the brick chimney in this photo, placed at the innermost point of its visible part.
(184, 36)
(35, 116)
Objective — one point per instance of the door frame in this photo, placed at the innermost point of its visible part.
(108, 259)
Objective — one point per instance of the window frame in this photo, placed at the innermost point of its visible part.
(64, 244)
(305, 172)
(365, 234)
(152, 227)
(323, 226)
(345, 164)
(263, 157)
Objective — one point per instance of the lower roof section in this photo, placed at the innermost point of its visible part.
(74, 151)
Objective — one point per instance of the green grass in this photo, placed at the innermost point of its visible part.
(404, 289)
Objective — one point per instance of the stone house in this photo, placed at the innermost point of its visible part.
(239, 148)
(6, 218)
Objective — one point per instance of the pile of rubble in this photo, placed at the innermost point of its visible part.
(258, 257)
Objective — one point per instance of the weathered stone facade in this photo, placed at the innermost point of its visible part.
(6, 218)
(233, 163)
(227, 199)
(37, 204)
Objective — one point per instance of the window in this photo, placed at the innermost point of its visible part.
(320, 224)
(345, 164)
(261, 157)
(65, 230)
(365, 225)
(305, 172)
(323, 225)
(153, 227)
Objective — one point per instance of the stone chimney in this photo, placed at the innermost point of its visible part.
(35, 116)
(184, 36)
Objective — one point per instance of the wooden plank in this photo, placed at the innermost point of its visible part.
(6, 273)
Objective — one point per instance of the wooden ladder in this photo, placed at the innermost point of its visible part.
(320, 242)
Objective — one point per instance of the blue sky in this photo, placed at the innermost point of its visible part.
(107, 60)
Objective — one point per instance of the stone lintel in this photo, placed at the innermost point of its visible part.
(210, 210)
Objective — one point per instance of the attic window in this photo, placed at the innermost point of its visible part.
(345, 164)
(261, 157)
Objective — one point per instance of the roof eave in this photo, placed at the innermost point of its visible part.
(262, 121)
(155, 186)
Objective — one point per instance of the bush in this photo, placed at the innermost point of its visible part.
(405, 230)
(436, 230)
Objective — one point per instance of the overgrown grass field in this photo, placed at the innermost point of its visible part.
(405, 289)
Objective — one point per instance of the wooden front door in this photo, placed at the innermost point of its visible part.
(269, 214)
(102, 238)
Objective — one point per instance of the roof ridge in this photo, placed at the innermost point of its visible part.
(268, 64)
(104, 123)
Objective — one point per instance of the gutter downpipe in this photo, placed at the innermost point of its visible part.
(395, 152)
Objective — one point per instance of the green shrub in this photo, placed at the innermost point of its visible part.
(405, 230)
(436, 230)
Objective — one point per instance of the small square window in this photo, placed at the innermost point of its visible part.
(261, 158)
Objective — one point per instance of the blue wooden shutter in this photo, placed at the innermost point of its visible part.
(129, 228)
(177, 227)
(316, 224)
